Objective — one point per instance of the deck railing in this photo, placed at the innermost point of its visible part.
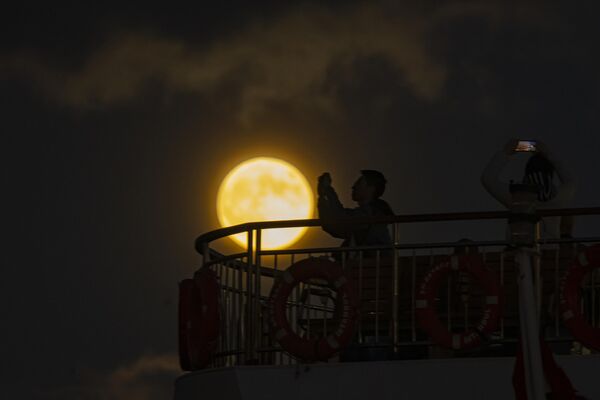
(387, 278)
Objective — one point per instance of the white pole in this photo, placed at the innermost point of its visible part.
(530, 340)
(523, 236)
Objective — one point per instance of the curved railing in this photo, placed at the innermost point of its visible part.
(204, 239)
(386, 278)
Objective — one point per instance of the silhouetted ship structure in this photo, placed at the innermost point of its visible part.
(402, 321)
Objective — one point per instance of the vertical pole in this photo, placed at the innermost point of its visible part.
(257, 307)
(502, 287)
(413, 292)
(524, 237)
(448, 292)
(239, 315)
(205, 253)
(537, 269)
(395, 294)
(226, 292)
(360, 295)
(377, 262)
(593, 278)
(556, 305)
(530, 339)
(249, 330)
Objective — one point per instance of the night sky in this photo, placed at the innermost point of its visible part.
(120, 122)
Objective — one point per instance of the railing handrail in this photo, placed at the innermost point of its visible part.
(438, 217)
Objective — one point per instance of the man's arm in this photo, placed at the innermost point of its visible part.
(490, 177)
(330, 208)
(567, 187)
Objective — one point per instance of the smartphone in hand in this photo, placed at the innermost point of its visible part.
(526, 146)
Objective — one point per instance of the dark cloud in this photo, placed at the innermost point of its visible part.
(284, 59)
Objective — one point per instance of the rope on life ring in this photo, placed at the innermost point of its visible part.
(346, 309)
(199, 319)
(570, 297)
(425, 302)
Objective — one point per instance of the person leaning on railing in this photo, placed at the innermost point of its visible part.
(539, 171)
(366, 192)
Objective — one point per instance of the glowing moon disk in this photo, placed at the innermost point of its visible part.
(265, 189)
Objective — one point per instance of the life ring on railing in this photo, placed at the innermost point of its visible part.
(346, 309)
(586, 262)
(199, 319)
(425, 303)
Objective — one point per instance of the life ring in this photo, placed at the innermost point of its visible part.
(346, 309)
(586, 262)
(425, 303)
(199, 319)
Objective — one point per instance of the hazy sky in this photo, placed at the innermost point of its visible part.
(120, 122)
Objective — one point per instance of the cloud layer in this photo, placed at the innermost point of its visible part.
(286, 59)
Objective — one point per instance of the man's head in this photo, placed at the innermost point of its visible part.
(369, 186)
(539, 172)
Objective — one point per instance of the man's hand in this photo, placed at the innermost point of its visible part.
(541, 148)
(324, 183)
(510, 146)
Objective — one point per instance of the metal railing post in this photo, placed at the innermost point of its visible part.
(556, 304)
(395, 294)
(205, 253)
(249, 340)
(377, 262)
(594, 320)
(257, 306)
(537, 272)
(502, 287)
(360, 296)
(239, 311)
(413, 294)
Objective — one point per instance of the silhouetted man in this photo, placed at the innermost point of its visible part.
(366, 191)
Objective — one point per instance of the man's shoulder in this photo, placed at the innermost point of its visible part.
(381, 207)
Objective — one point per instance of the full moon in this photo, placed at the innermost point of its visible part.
(265, 189)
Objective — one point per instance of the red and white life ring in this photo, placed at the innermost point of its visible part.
(312, 349)
(199, 319)
(570, 297)
(425, 302)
